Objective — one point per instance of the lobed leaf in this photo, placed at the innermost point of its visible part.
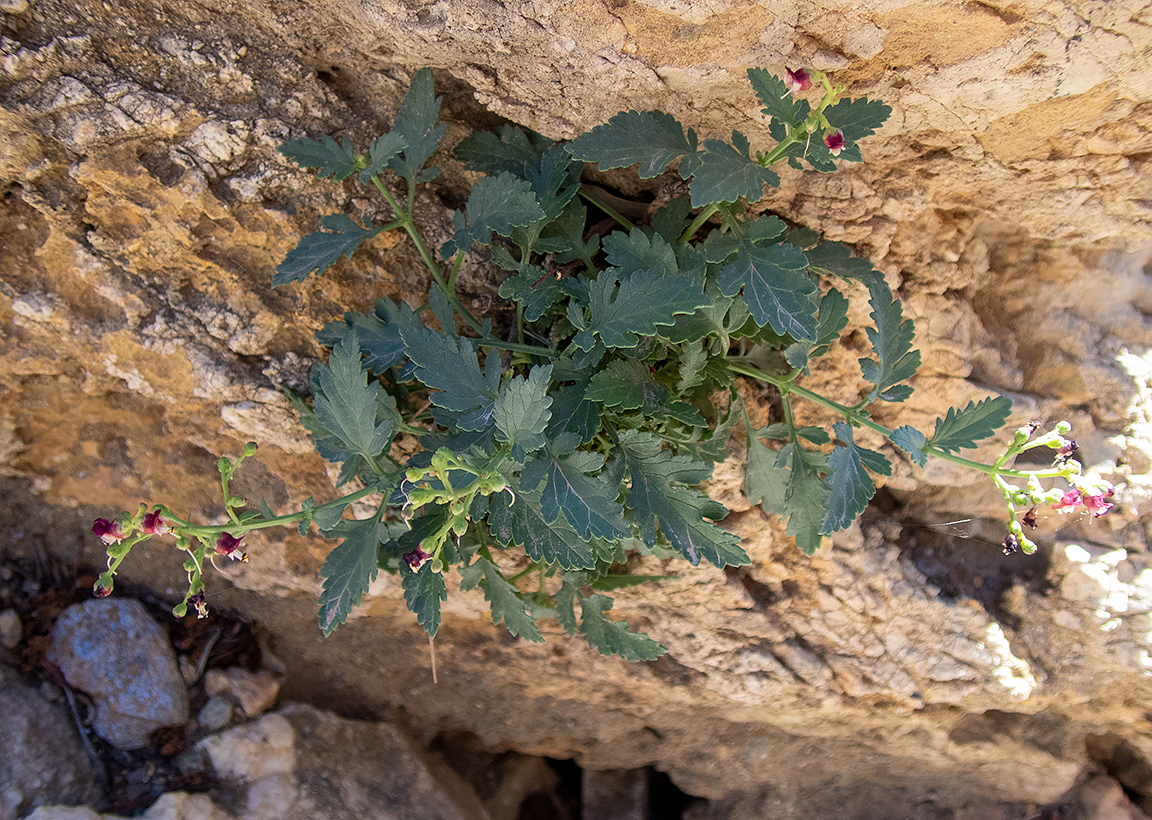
(765, 478)
(836, 259)
(424, 589)
(519, 520)
(777, 100)
(963, 428)
(850, 486)
(612, 637)
(522, 412)
(449, 365)
(347, 404)
(661, 496)
(320, 250)
(911, 441)
(804, 498)
(348, 571)
(892, 343)
(624, 311)
(495, 205)
(725, 173)
(418, 125)
(587, 501)
(505, 599)
(776, 287)
(380, 153)
(332, 159)
(653, 139)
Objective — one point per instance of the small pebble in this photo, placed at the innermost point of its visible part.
(216, 714)
(14, 6)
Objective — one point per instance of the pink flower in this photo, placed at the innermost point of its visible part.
(227, 545)
(834, 142)
(1068, 503)
(1098, 504)
(155, 524)
(798, 80)
(417, 558)
(108, 531)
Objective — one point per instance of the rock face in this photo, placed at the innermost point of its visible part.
(114, 651)
(41, 760)
(144, 208)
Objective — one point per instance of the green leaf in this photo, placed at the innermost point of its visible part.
(379, 336)
(636, 250)
(534, 289)
(765, 478)
(519, 520)
(892, 343)
(568, 229)
(804, 499)
(776, 98)
(588, 503)
(424, 589)
(836, 259)
(608, 583)
(307, 507)
(319, 251)
(610, 637)
(850, 486)
(327, 518)
(566, 598)
(522, 411)
(643, 302)
(380, 153)
(693, 358)
(495, 205)
(417, 124)
(776, 287)
(911, 441)
(509, 149)
(628, 385)
(506, 601)
(573, 413)
(347, 403)
(857, 118)
(653, 139)
(347, 572)
(724, 173)
(963, 428)
(831, 321)
(449, 365)
(333, 159)
(662, 494)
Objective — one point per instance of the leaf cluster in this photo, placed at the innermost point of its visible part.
(542, 464)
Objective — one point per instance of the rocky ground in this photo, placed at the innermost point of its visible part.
(113, 708)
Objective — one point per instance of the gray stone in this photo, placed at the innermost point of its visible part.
(115, 652)
(216, 714)
(300, 763)
(41, 759)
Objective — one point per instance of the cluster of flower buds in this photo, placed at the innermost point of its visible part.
(801, 80)
(1085, 494)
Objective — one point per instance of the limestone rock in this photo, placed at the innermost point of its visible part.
(300, 763)
(41, 759)
(254, 692)
(114, 651)
(172, 806)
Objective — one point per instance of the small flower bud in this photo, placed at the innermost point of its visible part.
(1063, 427)
(798, 80)
(1011, 544)
(834, 142)
(250, 449)
(107, 531)
(103, 586)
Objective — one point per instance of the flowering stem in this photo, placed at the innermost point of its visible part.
(857, 417)
(187, 529)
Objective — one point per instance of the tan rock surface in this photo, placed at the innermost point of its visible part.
(144, 208)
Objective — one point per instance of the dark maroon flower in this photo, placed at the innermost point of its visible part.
(1029, 519)
(227, 545)
(1011, 544)
(155, 524)
(799, 80)
(199, 604)
(834, 141)
(417, 558)
(108, 531)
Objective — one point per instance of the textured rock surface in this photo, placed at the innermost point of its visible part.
(114, 651)
(300, 763)
(41, 760)
(144, 207)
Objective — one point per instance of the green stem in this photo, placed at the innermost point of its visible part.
(608, 209)
(858, 418)
(186, 528)
(698, 222)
